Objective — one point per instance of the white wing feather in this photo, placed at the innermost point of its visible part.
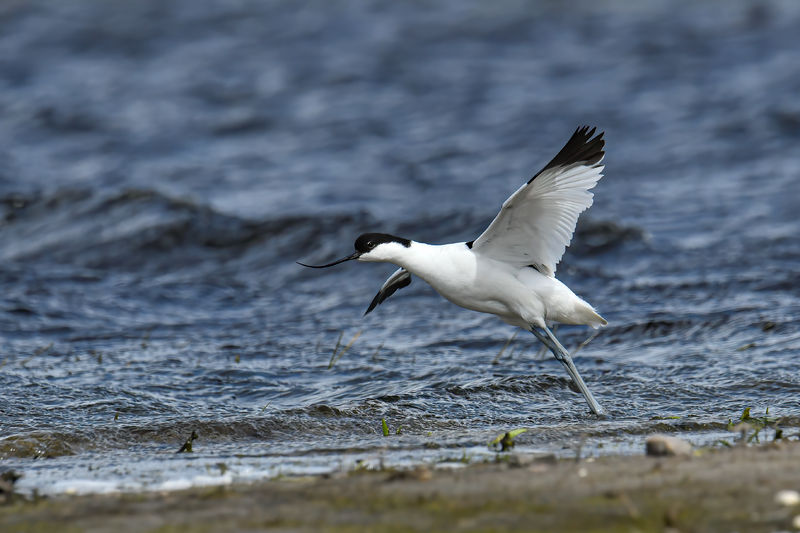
(536, 223)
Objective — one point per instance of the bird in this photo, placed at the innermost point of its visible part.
(509, 269)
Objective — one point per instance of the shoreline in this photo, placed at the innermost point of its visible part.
(711, 490)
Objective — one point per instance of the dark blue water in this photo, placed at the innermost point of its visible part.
(162, 166)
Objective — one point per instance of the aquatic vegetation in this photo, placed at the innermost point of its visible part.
(338, 354)
(336, 349)
(38, 351)
(589, 339)
(94, 353)
(505, 441)
(187, 446)
(378, 349)
(496, 359)
(385, 428)
(146, 340)
(759, 423)
(748, 423)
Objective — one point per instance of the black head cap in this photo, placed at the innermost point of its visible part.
(368, 241)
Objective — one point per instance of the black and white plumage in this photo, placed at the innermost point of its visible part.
(399, 279)
(509, 270)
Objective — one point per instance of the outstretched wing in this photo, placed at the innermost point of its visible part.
(401, 278)
(536, 223)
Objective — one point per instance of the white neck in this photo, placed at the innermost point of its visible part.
(418, 257)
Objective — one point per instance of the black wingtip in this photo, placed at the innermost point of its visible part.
(383, 294)
(373, 304)
(583, 147)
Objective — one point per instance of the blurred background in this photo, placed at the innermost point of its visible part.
(163, 165)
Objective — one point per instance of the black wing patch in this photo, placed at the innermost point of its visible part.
(393, 284)
(580, 148)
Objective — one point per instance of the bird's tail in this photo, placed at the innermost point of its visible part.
(587, 315)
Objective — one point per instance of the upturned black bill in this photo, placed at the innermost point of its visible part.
(348, 258)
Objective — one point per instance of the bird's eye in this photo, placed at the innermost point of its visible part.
(370, 245)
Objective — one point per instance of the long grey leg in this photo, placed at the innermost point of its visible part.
(562, 356)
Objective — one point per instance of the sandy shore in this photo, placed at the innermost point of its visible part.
(721, 490)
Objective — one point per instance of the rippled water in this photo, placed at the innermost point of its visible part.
(162, 166)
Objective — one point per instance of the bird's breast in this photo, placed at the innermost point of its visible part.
(472, 282)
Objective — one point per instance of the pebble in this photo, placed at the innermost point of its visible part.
(788, 498)
(520, 460)
(661, 445)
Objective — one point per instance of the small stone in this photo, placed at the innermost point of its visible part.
(662, 445)
(519, 460)
(788, 498)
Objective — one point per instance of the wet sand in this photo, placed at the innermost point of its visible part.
(715, 490)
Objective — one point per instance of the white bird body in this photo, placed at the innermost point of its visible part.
(519, 296)
(509, 270)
